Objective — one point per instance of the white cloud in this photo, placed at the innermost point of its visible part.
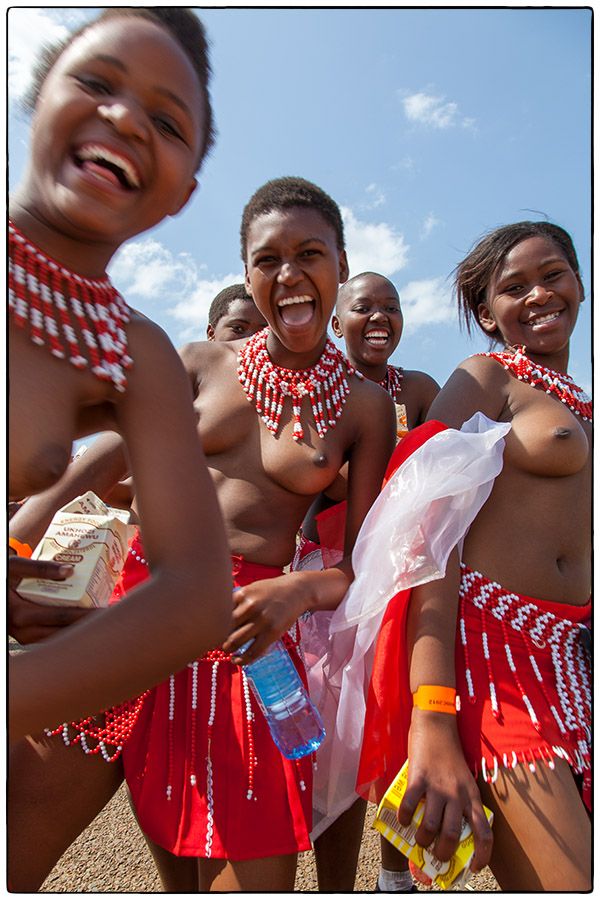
(28, 31)
(437, 112)
(192, 311)
(429, 224)
(163, 284)
(378, 198)
(373, 247)
(427, 302)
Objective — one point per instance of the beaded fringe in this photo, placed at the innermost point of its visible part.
(393, 381)
(108, 735)
(216, 658)
(521, 620)
(267, 386)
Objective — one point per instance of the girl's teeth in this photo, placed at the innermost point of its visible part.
(541, 320)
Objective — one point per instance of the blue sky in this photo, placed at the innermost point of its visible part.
(427, 126)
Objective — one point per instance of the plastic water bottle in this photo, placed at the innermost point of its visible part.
(295, 723)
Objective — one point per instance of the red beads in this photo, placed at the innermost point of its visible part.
(62, 306)
(325, 384)
(559, 383)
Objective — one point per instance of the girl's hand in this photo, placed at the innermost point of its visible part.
(263, 611)
(438, 774)
(31, 622)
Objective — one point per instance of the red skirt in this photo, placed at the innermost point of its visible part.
(523, 679)
(204, 773)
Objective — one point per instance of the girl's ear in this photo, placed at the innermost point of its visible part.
(344, 267)
(486, 320)
(581, 291)
(210, 333)
(247, 280)
(186, 197)
(336, 327)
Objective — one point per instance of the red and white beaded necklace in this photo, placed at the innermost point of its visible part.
(267, 385)
(562, 385)
(392, 381)
(56, 301)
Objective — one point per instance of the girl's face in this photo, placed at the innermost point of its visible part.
(117, 133)
(293, 270)
(533, 297)
(241, 320)
(369, 319)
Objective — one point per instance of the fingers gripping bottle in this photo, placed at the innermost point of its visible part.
(295, 723)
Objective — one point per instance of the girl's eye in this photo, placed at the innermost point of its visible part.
(165, 126)
(264, 260)
(94, 85)
(310, 252)
(360, 309)
(551, 276)
(512, 289)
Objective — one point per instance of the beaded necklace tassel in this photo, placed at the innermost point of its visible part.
(392, 382)
(325, 384)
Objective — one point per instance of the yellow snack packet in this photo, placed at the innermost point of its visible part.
(452, 874)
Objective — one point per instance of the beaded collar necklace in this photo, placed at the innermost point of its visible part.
(267, 385)
(392, 381)
(57, 304)
(562, 385)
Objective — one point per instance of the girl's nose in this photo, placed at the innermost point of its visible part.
(288, 273)
(538, 294)
(124, 117)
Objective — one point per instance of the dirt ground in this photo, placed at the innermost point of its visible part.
(111, 857)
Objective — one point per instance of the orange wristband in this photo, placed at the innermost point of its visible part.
(435, 698)
(20, 548)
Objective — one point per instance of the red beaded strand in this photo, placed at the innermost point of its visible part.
(59, 303)
(560, 384)
(392, 382)
(325, 384)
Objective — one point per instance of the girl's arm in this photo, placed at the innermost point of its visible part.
(437, 769)
(185, 607)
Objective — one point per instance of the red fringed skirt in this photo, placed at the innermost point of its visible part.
(205, 776)
(523, 677)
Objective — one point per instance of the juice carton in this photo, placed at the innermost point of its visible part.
(452, 874)
(93, 538)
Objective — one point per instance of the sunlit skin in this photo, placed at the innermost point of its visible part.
(540, 500)
(241, 320)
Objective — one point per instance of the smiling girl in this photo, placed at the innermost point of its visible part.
(521, 665)
(122, 121)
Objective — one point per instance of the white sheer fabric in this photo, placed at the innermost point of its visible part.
(421, 514)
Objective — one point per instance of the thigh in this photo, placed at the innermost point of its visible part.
(273, 873)
(178, 874)
(542, 833)
(54, 793)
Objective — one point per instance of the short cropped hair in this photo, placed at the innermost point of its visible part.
(183, 25)
(223, 300)
(473, 275)
(286, 193)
